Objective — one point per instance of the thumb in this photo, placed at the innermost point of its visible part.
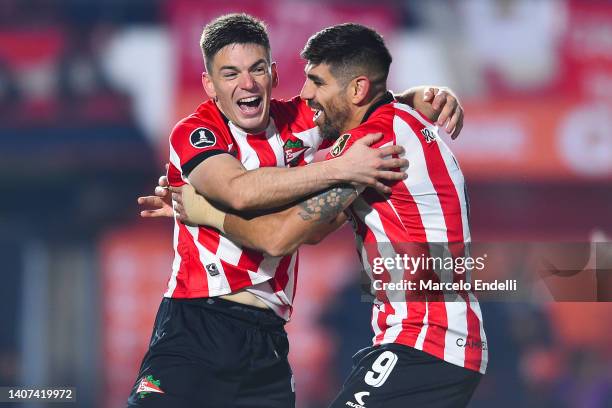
(370, 139)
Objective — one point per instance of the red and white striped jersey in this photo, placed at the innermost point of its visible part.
(430, 207)
(206, 263)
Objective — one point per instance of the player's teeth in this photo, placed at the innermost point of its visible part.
(251, 99)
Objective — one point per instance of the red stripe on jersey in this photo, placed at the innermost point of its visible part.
(209, 239)
(281, 277)
(250, 259)
(451, 209)
(238, 274)
(370, 246)
(264, 151)
(441, 180)
(410, 217)
(196, 279)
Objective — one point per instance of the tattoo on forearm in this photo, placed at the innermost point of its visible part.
(327, 205)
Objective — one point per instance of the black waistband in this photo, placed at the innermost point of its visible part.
(248, 314)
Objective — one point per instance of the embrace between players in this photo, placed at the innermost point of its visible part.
(219, 338)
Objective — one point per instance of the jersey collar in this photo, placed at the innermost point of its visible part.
(386, 98)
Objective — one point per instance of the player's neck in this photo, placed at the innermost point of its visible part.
(359, 112)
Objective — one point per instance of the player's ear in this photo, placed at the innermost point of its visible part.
(274, 75)
(359, 89)
(208, 85)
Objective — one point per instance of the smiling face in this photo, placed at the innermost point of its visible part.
(241, 78)
(328, 99)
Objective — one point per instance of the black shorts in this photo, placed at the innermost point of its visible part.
(393, 375)
(215, 353)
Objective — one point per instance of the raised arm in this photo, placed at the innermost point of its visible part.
(437, 104)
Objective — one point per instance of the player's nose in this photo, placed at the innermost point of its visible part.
(246, 81)
(307, 91)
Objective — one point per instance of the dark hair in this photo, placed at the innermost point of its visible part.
(232, 29)
(350, 50)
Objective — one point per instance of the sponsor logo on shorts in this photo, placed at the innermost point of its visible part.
(359, 396)
(147, 386)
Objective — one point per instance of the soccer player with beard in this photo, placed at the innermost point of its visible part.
(219, 338)
(427, 351)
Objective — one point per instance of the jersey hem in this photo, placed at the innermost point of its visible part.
(449, 359)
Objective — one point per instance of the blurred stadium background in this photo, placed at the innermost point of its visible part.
(90, 89)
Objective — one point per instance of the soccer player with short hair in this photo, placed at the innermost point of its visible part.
(427, 352)
(219, 338)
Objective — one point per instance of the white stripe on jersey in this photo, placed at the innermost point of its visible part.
(483, 337)
(420, 341)
(276, 144)
(419, 184)
(228, 251)
(176, 161)
(248, 155)
(217, 283)
(457, 176)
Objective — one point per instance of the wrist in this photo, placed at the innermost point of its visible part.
(334, 172)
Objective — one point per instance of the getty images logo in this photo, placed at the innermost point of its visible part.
(359, 398)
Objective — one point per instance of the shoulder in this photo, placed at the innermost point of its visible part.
(205, 127)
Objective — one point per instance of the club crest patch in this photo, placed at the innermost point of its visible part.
(294, 149)
(202, 137)
(340, 144)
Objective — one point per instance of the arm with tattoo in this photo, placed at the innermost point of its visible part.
(281, 233)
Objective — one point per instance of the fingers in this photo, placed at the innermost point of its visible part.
(439, 100)
(393, 164)
(448, 109)
(391, 150)
(391, 175)
(382, 188)
(179, 212)
(455, 124)
(151, 201)
(369, 139)
(152, 214)
(429, 95)
(177, 198)
(163, 181)
(161, 192)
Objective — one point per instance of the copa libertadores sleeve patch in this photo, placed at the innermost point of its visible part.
(202, 138)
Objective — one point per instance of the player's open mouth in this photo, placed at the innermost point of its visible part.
(317, 113)
(251, 105)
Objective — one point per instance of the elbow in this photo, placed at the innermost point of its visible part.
(239, 203)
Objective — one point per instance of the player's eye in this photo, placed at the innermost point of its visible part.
(260, 70)
(230, 75)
